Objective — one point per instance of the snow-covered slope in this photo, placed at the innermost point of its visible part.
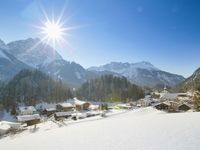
(141, 73)
(120, 67)
(33, 52)
(70, 72)
(142, 129)
(191, 83)
(9, 65)
(36, 54)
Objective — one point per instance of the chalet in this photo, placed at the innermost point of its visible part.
(26, 110)
(64, 107)
(61, 115)
(79, 115)
(170, 106)
(162, 106)
(184, 107)
(49, 111)
(79, 105)
(29, 119)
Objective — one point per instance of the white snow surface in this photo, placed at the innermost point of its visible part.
(141, 129)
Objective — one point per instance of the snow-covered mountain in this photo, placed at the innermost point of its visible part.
(33, 52)
(9, 65)
(141, 73)
(70, 72)
(191, 83)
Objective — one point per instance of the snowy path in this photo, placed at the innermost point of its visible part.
(143, 129)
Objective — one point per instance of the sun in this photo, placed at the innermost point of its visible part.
(53, 30)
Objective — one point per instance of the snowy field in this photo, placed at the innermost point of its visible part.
(141, 129)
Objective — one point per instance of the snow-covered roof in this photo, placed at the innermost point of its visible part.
(43, 106)
(65, 105)
(168, 95)
(78, 102)
(50, 109)
(26, 108)
(165, 103)
(28, 117)
(188, 105)
(62, 114)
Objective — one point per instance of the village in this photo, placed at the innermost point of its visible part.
(74, 109)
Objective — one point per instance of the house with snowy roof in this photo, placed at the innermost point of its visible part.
(184, 107)
(64, 107)
(29, 119)
(79, 105)
(26, 110)
(60, 115)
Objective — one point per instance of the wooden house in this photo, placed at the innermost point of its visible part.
(64, 107)
(162, 106)
(78, 104)
(26, 110)
(49, 111)
(29, 119)
(184, 107)
(61, 115)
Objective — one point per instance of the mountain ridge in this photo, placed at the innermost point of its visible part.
(141, 73)
(191, 83)
(36, 54)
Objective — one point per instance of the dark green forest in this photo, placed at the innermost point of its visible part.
(32, 86)
(110, 89)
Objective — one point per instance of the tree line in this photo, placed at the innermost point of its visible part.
(110, 88)
(30, 87)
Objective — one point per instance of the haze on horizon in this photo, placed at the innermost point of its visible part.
(165, 33)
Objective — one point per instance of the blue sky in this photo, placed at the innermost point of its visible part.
(163, 32)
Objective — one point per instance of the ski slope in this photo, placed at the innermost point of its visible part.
(141, 129)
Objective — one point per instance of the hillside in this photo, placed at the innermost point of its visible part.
(110, 88)
(32, 86)
(33, 52)
(191, 83)
(9, 65)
